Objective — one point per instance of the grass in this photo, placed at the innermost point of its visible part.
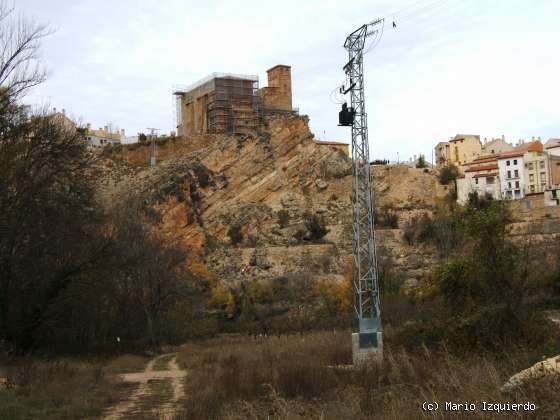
(59, 390)
(293, 377)
(162, 363)
(126, 363)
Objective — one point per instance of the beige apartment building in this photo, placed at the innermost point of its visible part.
(537, 172)
(461, 149)
(465, 148)
(496, 146)
(442, 153)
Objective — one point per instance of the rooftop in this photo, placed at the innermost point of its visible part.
(278, 65)
(462, 136)
(486, 175)
(180, 89)
(482, 168)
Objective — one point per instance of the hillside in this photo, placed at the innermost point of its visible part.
(204, 185)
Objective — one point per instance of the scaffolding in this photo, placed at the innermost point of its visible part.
(226, 103)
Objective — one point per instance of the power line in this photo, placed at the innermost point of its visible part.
(410, 9)
(422, 11)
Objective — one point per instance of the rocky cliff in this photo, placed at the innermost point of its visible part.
(202, 186)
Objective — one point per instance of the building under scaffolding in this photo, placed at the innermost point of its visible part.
(231, 103)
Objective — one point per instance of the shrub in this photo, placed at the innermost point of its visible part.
(235, 233)
(283, 218)
(316, 226)
(448, 174)
(342, 173)
(419, 229)
(300, 235)
(387, 218)
(483, 286)
(202, 175)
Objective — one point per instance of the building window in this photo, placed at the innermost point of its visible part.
(490, 180)
(515, 161)
(541, 164)
(532, 188)
(531, 178)
(530, 166)
(509, 174)
(516, 173)
(543, 177)
(509, 184)
(507, 162)
(476, 181)
(516, 184)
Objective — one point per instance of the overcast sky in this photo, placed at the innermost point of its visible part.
(487, 67)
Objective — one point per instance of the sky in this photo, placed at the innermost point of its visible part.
(487, 67)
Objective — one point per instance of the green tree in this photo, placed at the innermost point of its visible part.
(421, 163)
(448, 174)
(483, 285)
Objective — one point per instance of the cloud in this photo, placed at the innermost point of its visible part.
(449, 66)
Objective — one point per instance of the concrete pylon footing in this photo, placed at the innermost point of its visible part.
(367, 347)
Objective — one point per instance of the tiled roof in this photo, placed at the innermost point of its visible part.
(482, 168)
(485, 175)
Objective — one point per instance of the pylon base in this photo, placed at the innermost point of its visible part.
(367, 347)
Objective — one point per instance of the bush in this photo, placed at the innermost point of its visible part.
(235, 233)
(448, 174)
(483, 286)
(387, 218)
(300, 235)
(316, 226)
(419, 229)
(283, 218)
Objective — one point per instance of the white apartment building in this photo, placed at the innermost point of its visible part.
(482, 179)
(511, 169)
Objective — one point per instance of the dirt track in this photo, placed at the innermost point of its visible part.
(166, 410)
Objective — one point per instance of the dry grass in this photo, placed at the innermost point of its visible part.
(58, 390)
(127, 363)
(293, 377)
(162, 363)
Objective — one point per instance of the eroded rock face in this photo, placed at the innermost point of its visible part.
(205, 185)
(547, 367)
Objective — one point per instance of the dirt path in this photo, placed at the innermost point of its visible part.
(165, 411)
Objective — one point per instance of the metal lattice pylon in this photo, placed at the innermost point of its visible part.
(365, 275)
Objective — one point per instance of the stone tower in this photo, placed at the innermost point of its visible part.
(280, 87)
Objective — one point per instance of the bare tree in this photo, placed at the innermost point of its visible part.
(20, 38)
